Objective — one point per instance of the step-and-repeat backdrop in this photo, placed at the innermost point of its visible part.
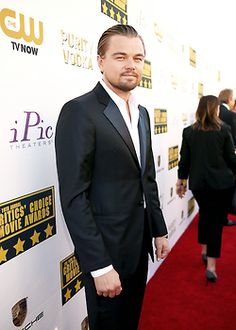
(48, 56)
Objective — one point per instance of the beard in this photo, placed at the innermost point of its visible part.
(127, 85)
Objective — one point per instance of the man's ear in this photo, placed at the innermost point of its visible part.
(100, 63)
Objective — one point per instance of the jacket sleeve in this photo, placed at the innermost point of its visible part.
(229, 151)
(75, 148)
(233, 126)
(184, 163)
(151, 193)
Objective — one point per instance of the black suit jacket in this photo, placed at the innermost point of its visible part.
(208, 158)
(102, 185)
(229, 117)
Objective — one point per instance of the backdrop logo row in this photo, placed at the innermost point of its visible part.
(71, 281)
(29, 130)
(25, 222)
(115, 9)
(160, 121)
(77, 50)
(15, 25)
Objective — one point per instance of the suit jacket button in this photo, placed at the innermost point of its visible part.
(140, 203)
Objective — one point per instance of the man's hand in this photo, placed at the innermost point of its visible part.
(181, 187)
(108, 285)
(162, 247)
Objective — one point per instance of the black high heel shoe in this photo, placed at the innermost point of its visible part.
(204, 258)
(210, 277)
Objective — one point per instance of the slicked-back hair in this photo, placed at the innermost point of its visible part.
(225, 95)
(119, 29)
(206, 115)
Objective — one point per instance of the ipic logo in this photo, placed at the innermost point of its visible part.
(15, 26)
(31, 132)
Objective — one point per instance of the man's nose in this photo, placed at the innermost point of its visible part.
(130, 63)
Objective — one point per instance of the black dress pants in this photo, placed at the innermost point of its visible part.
(213, 209)
(123, 311)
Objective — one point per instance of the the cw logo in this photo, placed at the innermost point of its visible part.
(8, 17)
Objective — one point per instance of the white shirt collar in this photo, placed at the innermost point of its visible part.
(226, 105)
(117, 99)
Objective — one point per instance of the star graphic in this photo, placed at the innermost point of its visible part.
(104, 8)
(19, 246)
(77, 285)
(118, 17)
(67, 295)
(35, 238)
(48, 230)
(124, 20)
(112, 13)
(3, 254)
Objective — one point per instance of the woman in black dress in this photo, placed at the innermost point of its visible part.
(208, 160)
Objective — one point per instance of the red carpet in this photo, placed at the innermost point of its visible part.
(177, 297)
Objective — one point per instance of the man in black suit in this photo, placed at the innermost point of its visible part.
(107, 183)
(226, 98)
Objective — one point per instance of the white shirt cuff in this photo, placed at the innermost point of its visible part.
(101, 271)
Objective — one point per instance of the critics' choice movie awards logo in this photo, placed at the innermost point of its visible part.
(19, 312)
(171, 196)
(115, 9)
(191, 206)
(30, 130)
(174, 80)
(173, 154)
(21, 28)
(192, 57)
(71, 281)
(77, 51)
(160, 121)
(159, 166)
(158, 32)
(25, 222)
(184, 118)
(172, 228)
(182, 218)
(200, 90)
(146, 80)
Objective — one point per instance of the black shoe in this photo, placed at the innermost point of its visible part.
(230, 223)
(210, 276)
(204, 258)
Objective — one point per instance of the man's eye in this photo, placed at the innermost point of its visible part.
(120, 58)
(138, 59)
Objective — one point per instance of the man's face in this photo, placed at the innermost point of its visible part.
(231, 102)
(122, 64)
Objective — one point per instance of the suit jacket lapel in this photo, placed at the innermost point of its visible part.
(142, 139)
(114, 116)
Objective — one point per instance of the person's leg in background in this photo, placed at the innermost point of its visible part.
(200, 197)
(213, 206)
